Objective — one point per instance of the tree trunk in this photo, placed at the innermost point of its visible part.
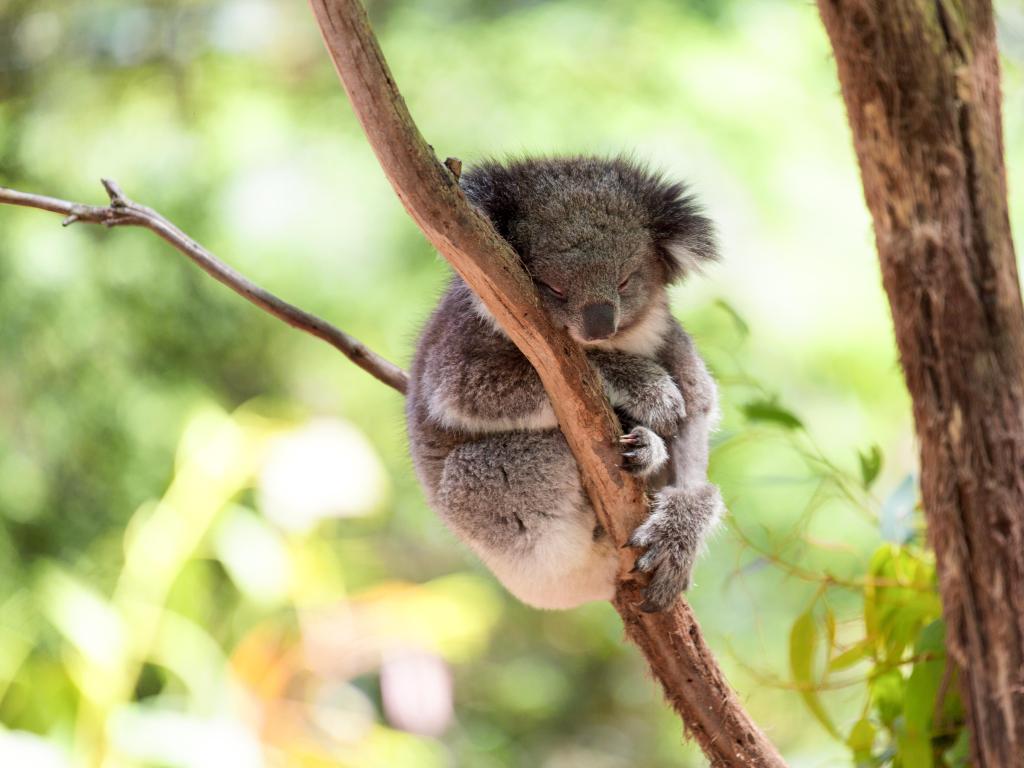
(921, 85)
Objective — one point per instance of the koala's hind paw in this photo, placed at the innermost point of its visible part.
(643, 452)
(672, 537)
(658, 405)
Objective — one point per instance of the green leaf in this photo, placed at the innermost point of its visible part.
(926, 681)
(861, 740)
(769, 410)
(830, 632)
(803, 643)
(915, 749)
(932, 639)
(922, 689)
(887, 695)
(880, 562)
(737, 318)
(870, 465)
(899, 599)
(850, 656)
(959, 755)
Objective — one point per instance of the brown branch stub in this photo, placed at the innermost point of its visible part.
(124, 212)
(672, 640)
(117, 198)
(454, 165)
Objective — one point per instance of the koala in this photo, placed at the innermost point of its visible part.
(602, 239)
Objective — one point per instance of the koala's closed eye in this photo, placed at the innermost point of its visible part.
(556, 292)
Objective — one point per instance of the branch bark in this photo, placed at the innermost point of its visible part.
(671, 641)
(123, 212)
(921, 86)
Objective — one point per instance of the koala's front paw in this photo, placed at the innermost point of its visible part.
(657, 404)
(643, 452)
(672, 537)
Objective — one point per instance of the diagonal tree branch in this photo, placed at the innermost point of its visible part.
(123, 212)
(671, 641)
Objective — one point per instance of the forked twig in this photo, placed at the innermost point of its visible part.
(123, 212)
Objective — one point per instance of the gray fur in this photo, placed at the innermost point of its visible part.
(644, 453)
(483, 435)
(642, 389)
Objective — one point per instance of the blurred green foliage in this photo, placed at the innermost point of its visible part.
(194, 561)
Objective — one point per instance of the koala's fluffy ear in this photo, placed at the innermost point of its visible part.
(495, 191)
(685, 238)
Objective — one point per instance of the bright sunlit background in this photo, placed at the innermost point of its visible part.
(212, 548)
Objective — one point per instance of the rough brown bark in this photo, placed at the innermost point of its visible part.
(921, 84)
(671, 640)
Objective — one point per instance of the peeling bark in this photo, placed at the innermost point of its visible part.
(921, 84)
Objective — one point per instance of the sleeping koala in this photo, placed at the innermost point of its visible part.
(602, 239)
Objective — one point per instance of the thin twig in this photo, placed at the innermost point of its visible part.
(123, 212)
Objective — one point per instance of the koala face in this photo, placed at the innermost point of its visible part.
(596, 269)
(601, 238)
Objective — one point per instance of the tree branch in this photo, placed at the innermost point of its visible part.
(123, 212)
(671, 641)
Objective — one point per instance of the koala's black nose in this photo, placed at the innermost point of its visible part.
(598, 321)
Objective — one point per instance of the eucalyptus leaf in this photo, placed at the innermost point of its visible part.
(741, 325)
(850, 656)
(959, 755)
(887, 695)
(870, 465)
(861, 740)
(769, 410)
(803, 643)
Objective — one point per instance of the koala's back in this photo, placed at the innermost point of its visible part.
(462, 364)
(488, 452)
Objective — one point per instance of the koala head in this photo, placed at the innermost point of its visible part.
(600, 237)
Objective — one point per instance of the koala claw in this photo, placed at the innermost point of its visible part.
(644, 452)
(659, 406)
(672, 537)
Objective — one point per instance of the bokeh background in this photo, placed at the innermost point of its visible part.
(212, 548)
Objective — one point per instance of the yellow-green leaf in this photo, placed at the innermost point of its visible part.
(771, 411)
(861, 740)
(803, 644)
(850, 656)
(870, 465)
